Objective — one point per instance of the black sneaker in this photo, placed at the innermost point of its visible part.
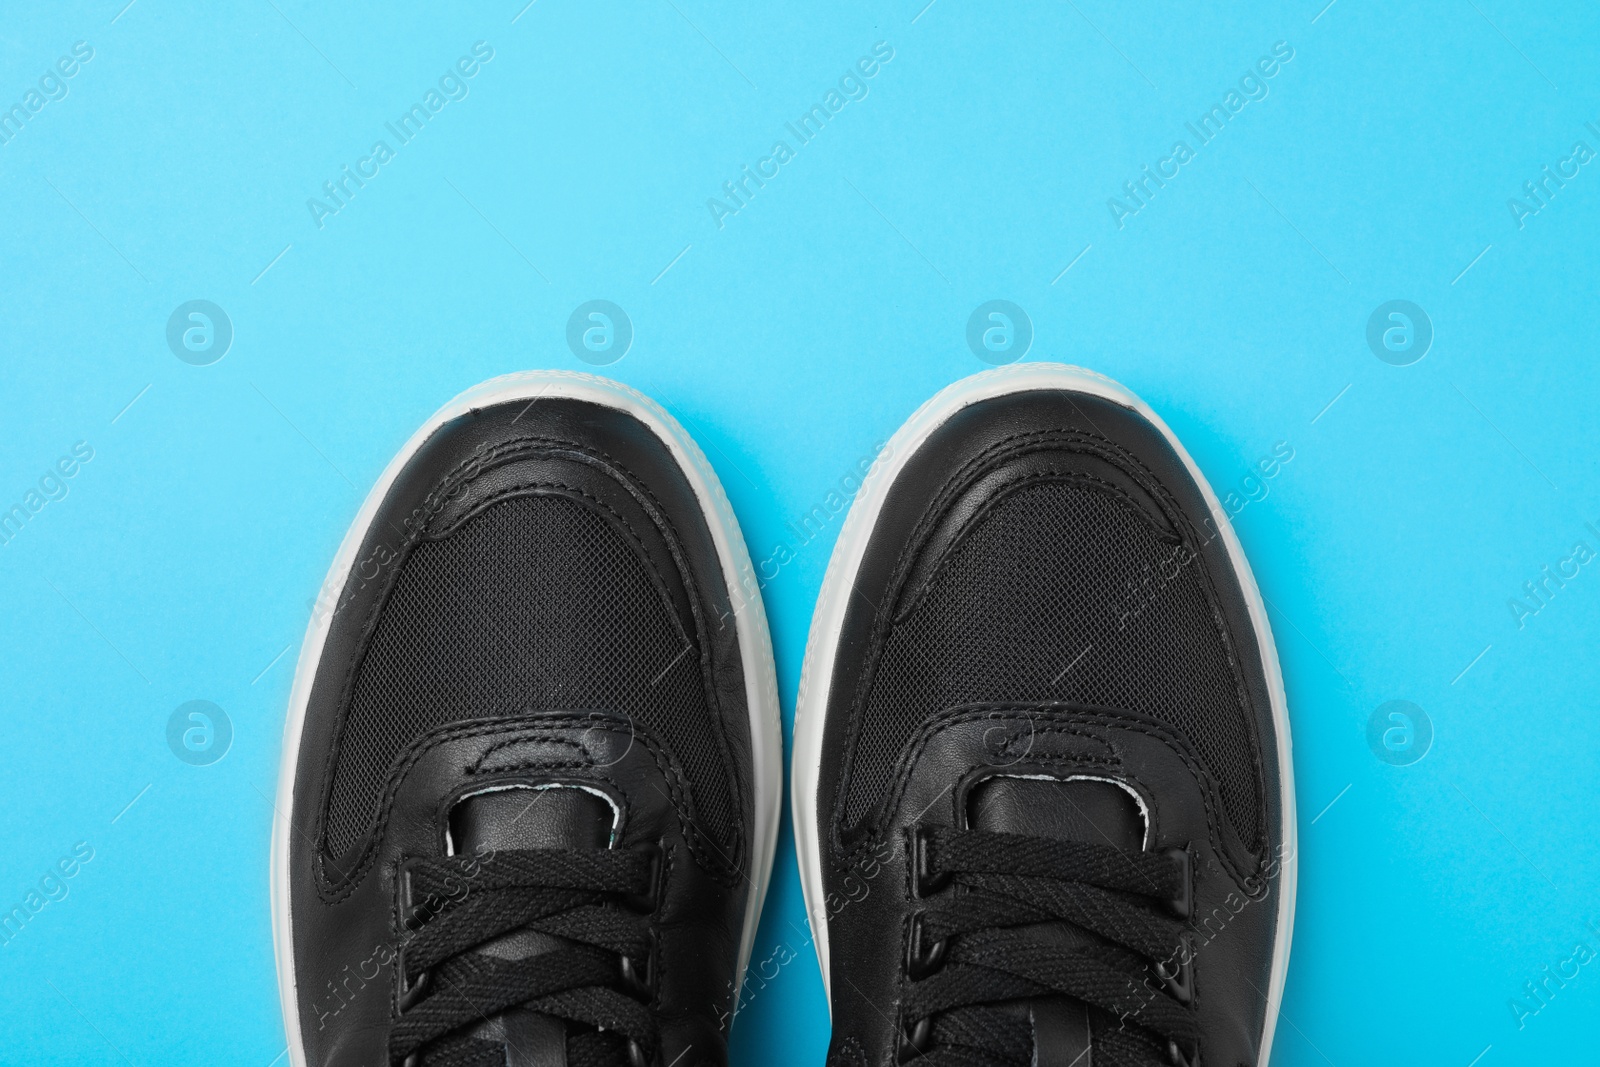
(1041, 776)
(531, 771)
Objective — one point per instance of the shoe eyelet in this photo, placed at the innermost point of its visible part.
(924, 880)
(1178, 1057)
(636, 1056)
(914, 1040)
(407, 996)
(1182, 905)
(643, 985)
(413, 1060)
(650, 899)
(412, 916)
(920, 962)
(1178, 980)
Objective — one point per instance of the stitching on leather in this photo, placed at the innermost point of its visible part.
(1109, 717)
(1097, 444)
(477, 766)
(529, 765)
(332, 891)
(405, 760)
(680, 804)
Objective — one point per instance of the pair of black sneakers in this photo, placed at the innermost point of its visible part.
(533, 762)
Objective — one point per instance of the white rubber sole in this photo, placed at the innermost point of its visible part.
(827, 621)
(755, 644)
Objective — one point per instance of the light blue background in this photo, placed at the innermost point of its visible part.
(181, 563)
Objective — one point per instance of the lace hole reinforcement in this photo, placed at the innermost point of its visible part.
(642, 980)
(915, 1040)
(1181, 1057)
(1182, 903)
(1177, 975)
(922, 958)
(925, 881)
(409, 995)
(650, 899)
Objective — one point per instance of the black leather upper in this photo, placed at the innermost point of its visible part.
(993, 635)
(478, 686)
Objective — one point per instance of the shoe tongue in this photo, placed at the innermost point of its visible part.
(556, 816)
(526, 817)
(1091, 810)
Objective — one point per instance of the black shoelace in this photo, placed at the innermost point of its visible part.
(970, 954)
(602, 978)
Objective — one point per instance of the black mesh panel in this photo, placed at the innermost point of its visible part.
(535, 604)
(1054, 573)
